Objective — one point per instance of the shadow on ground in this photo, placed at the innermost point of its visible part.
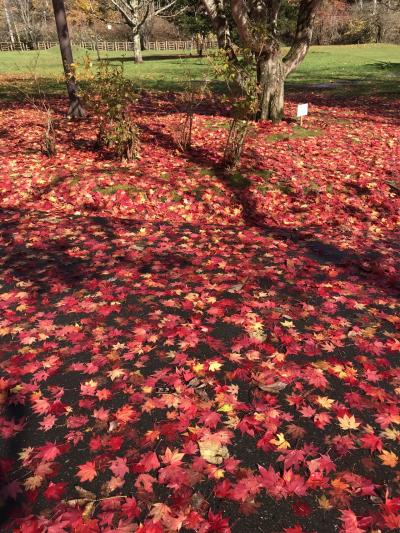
(105, 304)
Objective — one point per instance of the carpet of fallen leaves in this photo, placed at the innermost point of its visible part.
(186, 351)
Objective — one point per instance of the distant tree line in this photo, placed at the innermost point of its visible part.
(336, 21)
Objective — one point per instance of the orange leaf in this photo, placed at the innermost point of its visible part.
(87, 471)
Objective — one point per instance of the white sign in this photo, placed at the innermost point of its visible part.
(302, 110)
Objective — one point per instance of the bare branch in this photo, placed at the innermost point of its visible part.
(303, 36)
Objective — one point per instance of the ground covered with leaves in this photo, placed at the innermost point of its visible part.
(186, 350)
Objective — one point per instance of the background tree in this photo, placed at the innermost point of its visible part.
(194, 22)
(257, 24)
(9, 21)
(75, 110)
(136, 13)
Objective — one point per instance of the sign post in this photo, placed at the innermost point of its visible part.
(302, 111)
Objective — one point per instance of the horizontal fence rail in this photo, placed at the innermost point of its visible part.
(110, 46)
(10, 47)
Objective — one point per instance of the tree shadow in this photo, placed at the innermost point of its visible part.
(124, 278)
(387, 66)
(52, 261)
(323, 252)
(13, 416)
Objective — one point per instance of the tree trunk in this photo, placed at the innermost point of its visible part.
(75, 110)
(137, 48)
(199, 40)
(271, 80)
(8, 20)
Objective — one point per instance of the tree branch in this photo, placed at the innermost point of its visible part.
(216, 11)
(123, 8)
(164, 8)
(243, 23)
(303, 36)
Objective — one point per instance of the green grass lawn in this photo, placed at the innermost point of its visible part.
(373, 68)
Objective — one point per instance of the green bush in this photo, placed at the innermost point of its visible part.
(108, 95)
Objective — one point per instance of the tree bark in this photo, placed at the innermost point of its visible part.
(303, 35)
(137, 49)
(216, 11)
(271, 83)
(8, 20)
(137, 45)
(75, 110)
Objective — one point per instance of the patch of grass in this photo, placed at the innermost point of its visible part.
(209, 124)
(112, 189)
(55, 181)
(394, 186)
(351, 69)
(176, 197)
(237, 180)
(265, 174)
(207, 172)
(263, 188)
(218, 190)
(109, 171)
(311, 189)
(198, 192)
(343, 121)
(160, 70)
(297, 133)
(285, 187)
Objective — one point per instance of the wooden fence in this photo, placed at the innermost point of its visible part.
(107, 46)
(9, 47)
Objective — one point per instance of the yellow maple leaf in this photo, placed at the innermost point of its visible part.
(219, 473)
(348, 422)
(325, 402)
(388, 458)
(198, 367)
(278, 356)
(116, 373)
(324, 503)
(359, 305)
(33, 482)
(322, 365)
(214, 366)
(280, 442)
(225, 408)
(26, 453)
(212, 451)
(339, 485)
(159, 511)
